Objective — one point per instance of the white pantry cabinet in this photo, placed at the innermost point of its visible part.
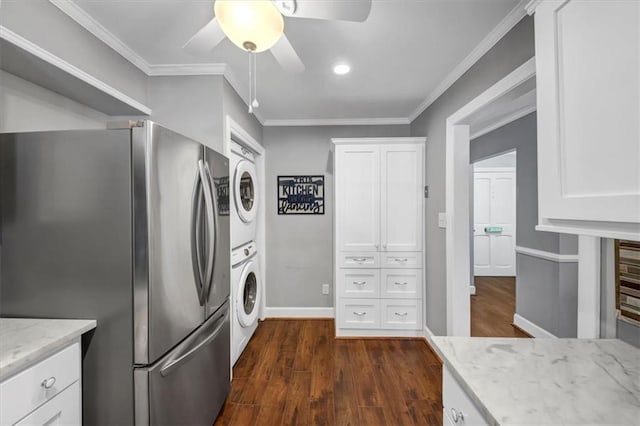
(588, 95)
(379, 236)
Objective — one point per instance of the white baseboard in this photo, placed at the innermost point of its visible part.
(292, 312)
(532, 328)
(473, 290)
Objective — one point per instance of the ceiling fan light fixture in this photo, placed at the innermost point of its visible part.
(250, 23)
(341, 69)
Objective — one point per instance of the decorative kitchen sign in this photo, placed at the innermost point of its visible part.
(301, 194)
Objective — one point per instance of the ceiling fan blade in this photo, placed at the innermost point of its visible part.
(286, 55)
(205, 39)
(335, 10)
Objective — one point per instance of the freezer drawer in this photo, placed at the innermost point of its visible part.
(187, 386)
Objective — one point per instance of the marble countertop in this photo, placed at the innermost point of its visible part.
(547, 381)
(26, 340)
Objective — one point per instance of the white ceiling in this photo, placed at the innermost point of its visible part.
(399, 56)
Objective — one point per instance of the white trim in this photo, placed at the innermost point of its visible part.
(377, 333)
(547, 255)
(616, 230)
(276, 312)
(337, 122)
(531, 328)
(86, 21)
(472, 290)
(504, 121)
(235, 131)
(374, 141)
(50, 58)
(457, 191)
(427, 333)
(532, 6)
(186, 69)
(509, 21)
(589, 287)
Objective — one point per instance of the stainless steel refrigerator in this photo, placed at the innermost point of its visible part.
(129, 226)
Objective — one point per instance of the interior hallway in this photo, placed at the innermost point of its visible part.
(493, 306)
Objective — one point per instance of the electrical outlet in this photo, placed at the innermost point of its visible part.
(325, 288)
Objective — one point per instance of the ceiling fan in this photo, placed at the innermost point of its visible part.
(257, 25)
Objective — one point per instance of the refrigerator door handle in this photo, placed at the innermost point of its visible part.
(214, 241)
(211, 227)
(181, 357)
(196, 230)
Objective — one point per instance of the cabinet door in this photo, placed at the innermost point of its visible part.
(358, 197)
(401, 197)
(588, 86)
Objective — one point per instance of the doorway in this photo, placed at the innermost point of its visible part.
(493, 264)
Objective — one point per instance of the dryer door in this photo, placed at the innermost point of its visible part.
(245, 190)
(248, 296)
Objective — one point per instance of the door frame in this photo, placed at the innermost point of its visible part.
(233, 130)
(457, 187)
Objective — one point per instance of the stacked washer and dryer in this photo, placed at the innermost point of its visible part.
(246, 289)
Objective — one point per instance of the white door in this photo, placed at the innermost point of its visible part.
(494, 231)
(358, 197)
(401, 197)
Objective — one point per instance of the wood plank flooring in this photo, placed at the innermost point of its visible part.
(493, 306)
(294, 372)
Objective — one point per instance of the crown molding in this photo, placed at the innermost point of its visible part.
(186, 69)
(509, 21)
(532, 5)
(336, 122)
(86, 21)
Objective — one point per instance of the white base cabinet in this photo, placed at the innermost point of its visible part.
(379, 212)
(457, 406)
(46, 393)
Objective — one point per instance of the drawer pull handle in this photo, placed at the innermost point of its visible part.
(48, 383)
(457, 416)
(360, 314)
(401, 260)
(359, 282)
(359, 259)
(401, 314)
(398, 283)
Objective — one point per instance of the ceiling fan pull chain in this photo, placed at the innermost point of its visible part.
(250, 84)
(255, 103)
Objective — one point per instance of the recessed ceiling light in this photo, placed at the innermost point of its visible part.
(341, 69)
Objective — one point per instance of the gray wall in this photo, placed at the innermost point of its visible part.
(509, 53)
(25, 107)
(235, 107)
(191, 105)
(42, 23)
(299, 248)
(546, 291)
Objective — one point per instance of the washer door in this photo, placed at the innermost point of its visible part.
(245, 191)
(248, 296)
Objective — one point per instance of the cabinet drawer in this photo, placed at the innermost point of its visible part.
(455, 400)
(401, 259)
(359, 313)
(364, 259)
(63, 409)
(401, 283)
(360, 283)
(24, 392)
(401, 314)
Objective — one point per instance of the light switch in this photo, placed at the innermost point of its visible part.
(442, 220)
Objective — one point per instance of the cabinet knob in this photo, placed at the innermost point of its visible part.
(48, 383)
(457, 416)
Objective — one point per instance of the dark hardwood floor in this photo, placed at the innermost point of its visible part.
(294, 372)
(493, 306)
